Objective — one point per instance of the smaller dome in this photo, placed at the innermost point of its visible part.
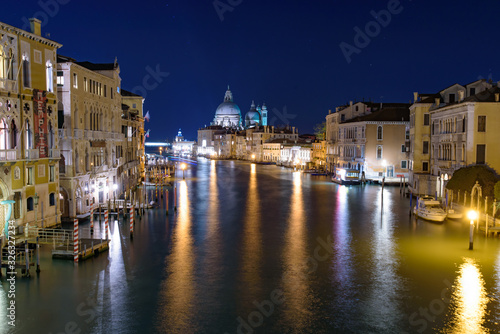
(252, 117)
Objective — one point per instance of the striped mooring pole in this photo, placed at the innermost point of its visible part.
(75, 241)
(92, 218)
(131, 223)
(106, 225)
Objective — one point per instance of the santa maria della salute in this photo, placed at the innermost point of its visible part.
(228, 114)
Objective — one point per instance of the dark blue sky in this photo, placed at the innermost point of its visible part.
(284, 53)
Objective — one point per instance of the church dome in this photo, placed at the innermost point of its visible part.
(252, 117)
(228, 108)
(228, 114)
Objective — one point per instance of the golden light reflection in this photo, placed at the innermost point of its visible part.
(252, 241)
(177, 290)
(295, 259)
(213, 240)
(469, 300)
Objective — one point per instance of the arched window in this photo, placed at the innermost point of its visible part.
(26, 70)
(49, 74)
(51, 137)
(379, 151)
(379, 132)
(4, 135)
(13, 135)
(28, 137)
(29, 204)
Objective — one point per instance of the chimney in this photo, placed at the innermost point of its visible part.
(497, 97)
(36, 26)
(293, 129)
(437, 101)
(415, 96)
(350, 104)
(460, 95)
(329, 111)
(337, 108)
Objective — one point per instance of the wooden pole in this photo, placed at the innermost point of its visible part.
(37, 256)
(486, 214)
(166, 202)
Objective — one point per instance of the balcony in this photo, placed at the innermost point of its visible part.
(54, 153)
(78, 134)
(8, 155)
(8, 85)
(31, 154)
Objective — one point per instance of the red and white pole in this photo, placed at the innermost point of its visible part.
(75, 241)
(106, 225)
(131, 223)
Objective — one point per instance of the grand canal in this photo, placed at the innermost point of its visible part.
(264, 249)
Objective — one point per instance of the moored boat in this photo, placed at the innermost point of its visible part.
(454, 214)
(346, 176)
(429, 209)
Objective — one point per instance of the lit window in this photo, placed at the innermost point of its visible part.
(29, 171)
(60, 78)
(49, 74)
(75, 80)
(52, 173)
(26, 71)
(379, 151)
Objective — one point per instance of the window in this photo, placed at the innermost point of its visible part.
(403, 148)
(75, 80)
(357, 108)
(379, 132)
(29, 204)
(481, 123)
(52, 199)
(134, 105)
(480, 154)
(403, 164)
(29, 171)
(85, 84)
(451, 98)
(60, 78)
(426, 119)
(105, 91)
(425, 147)
(49, 75)
(17, 204)
(342, 117)
(111, 93)
(379, 151)
(52, 173)
(425, 166)
(26, 71)
(472, 91)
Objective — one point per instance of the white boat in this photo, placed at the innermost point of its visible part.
(453, 214)
(430, 209)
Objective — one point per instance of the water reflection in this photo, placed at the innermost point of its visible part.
(252, 239)
(385, 287)
(178, 289)
(342, 261)
(469, 300)
(296, 283)
(117, 279)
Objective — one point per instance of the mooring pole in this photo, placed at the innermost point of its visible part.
(37, 256)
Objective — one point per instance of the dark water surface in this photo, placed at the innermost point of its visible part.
(267, 250)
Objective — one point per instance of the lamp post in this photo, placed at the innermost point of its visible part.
(472, 215)
(183, 167)
(35, 201)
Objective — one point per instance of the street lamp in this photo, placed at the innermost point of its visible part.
(472, 215)
(183, 167)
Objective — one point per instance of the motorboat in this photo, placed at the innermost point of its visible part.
(430, 209)
(346, 176)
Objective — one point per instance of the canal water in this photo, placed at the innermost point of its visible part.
(263, 249)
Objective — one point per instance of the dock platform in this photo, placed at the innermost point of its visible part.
(87, 248)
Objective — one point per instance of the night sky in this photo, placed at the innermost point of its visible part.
(286, 54)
